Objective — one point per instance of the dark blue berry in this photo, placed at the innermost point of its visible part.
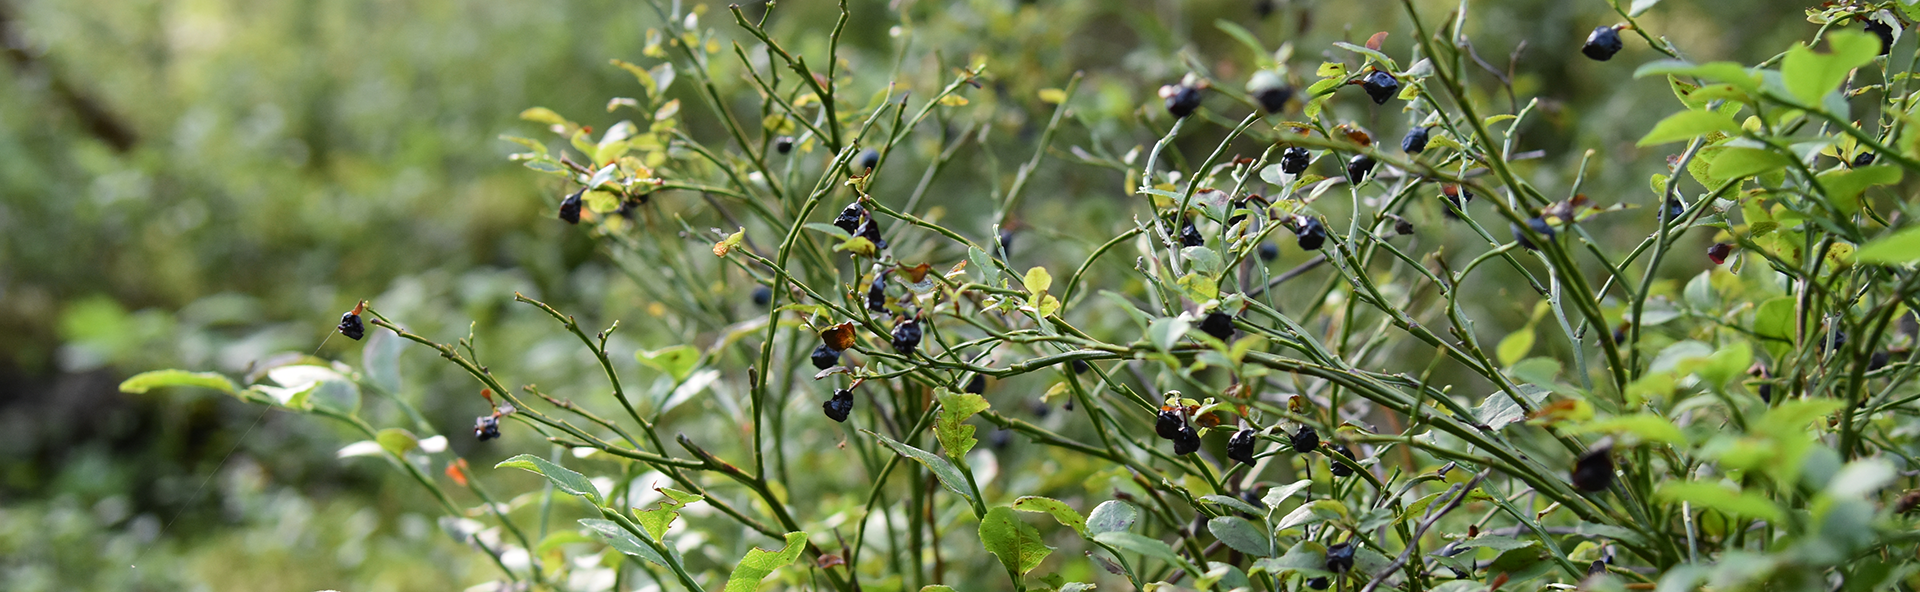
(1602, 43)
(1269, 251)
(850, 217)
(1358, 167)
(825, 357)
(1340, 557)
(838, 407)
(783, 144)
(1218, 324)
(1240, 446)
(906, 336)
(1295, 160)
(1340, 469)
(1080, 366)
(877, 294)
(1183, 101)
(1190, 235)
(1415, 141)
(1270, 91)
(762, 295)
(1539, 225)
(1380, 86)
(1594, 471)
(1186, 442)
(570, 207)
(486, 427)
(977, 384)
(1168, 423)
(1319, 583)
(1311, 234)
(865, 162)
(1884, 32)
(1306, 440)
(351, 327)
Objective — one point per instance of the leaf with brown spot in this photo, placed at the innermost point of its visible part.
(839, 337)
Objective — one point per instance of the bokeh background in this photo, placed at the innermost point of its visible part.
(206, 183)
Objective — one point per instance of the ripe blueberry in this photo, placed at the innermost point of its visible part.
(762, 295)
(1674, 209)
(906, 336)
(1006, 242)
(1380, 86)
(1311, 234)
(870, 230)
(1186, 442)
(1597, 567)
(1837, 340)
(1269, 251)
(1402, 226)
(1319, 583)
(570, 207)
(783, 144)
(1272, 92)
(1458, 197)
(865, 162)
(1594, 471)
(1240, 446)
(1295, 160)
(486, 427)
(1168, 423)
(825, 357)
(839, 406)
(1718, 252)
(1415, 141)
(1080, 366)
(977, 384)
(1878, 360)
(1539, 225)
(1190, 235)
(1602, 43)
(1358, 167)
(1218, 324)
(1306, 440)
(1864, 159)
(1339, 469)
(1182, 100)
(877, 294)
(1884, 32)
(1340, 557)
(350, 326)
(850, 217)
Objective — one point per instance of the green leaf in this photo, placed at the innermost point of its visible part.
(623, 541)
(1275, 496)
(1515, 346)
(1641, 6)
(945, 471)
(1713, 496)
(1016, 543)
(1687, 125)
(677, 361)
(1112, 516)
(950, 426)
(1810, 76)
(1037, 280)
(1499, 410)
(563, 478)
(1646, 426)
(1497, 543)
(543, 115)
(760, 563)
(1374, 55)
(1311, 512)
(1737, 162)
(1150, 547)
(1241, 535)
(380, 361)
(1844, 186)
(1203, 260)
(1067, 516)
(146, 381)
(397, 441)
(1307, 558)
(1232, 502)
(1727, 72)
(1899, 248)
(1166, 331)
(658, 519)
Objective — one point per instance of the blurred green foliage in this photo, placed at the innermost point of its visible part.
(289, 158)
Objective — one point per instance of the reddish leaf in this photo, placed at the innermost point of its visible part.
(1374, 42)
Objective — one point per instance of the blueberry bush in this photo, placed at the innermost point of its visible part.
(913, 325)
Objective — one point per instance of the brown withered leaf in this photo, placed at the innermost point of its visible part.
(838, 337)
(827, 560)
(1377, 40)
(916, 273)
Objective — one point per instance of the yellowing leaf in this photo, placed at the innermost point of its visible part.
(953, 100)
(1053, 96)
(1038, 280)
(1688, 124)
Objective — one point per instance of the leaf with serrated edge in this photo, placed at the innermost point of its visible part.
(1058, 509)
(1016, 543)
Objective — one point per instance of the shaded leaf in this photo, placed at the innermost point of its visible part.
(563, 478)
(945, 471)
(1239, 534)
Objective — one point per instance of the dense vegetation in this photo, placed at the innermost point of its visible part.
(980, 294)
